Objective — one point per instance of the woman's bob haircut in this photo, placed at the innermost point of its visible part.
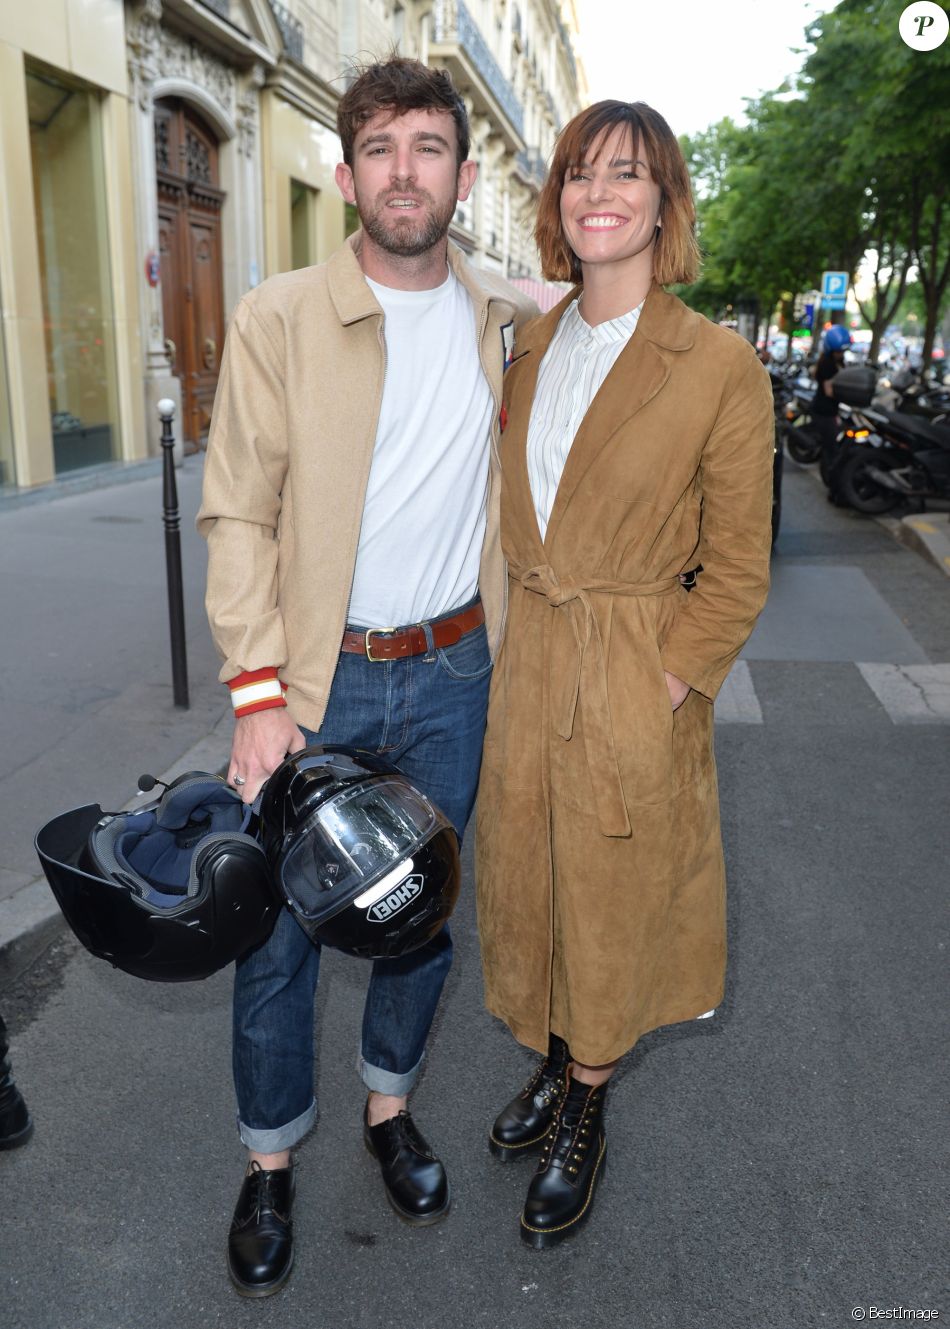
(675, 253)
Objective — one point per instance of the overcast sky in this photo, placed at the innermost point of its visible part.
(692, 60)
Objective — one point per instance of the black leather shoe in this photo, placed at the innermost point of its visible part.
(520, 1128)
(16, 1126)
(415, 1180)
(261, 1241)
(572, 1159)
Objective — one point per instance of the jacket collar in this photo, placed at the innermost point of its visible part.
(354, 300)
(664, 320)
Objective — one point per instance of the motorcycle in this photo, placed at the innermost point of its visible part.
(910, 393)
(795, 426)
(888, 457)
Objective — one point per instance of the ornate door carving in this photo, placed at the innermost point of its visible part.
(189, 222)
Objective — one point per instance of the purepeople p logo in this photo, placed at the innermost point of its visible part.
(924, 25)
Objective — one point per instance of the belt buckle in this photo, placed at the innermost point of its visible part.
(370, 632)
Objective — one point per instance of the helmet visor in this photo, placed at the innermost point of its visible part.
(353, 840)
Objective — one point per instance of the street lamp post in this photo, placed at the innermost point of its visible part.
(176, 600)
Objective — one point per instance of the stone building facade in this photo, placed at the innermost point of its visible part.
(173, 153)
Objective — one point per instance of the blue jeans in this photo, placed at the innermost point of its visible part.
(426, 714)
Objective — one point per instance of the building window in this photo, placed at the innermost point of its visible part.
(303, 213)
(72, 237)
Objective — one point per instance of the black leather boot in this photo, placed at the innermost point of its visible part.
(520, 1128)
(562, 1190)
(16, 1126)
(261, 1241)
(415, 1180)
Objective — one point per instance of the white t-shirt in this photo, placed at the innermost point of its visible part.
(426, 501)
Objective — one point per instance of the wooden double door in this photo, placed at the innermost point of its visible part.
(189, 225)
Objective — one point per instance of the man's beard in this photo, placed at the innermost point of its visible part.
(407, 238)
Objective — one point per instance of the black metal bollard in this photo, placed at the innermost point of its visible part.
(176, 602)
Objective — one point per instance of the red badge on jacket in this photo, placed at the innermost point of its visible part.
(502, 418)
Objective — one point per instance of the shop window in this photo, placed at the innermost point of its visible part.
(303, 203)
(73, 242)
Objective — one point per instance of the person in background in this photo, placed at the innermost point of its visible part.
(638, 445)
(824, 407)
(352, 483)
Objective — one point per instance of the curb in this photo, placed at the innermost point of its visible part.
(31, 918)
(922, 532)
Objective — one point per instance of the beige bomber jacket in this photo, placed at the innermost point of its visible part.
(289, 455)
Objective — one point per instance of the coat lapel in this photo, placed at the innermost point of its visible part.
(640, 372)
(529, 352)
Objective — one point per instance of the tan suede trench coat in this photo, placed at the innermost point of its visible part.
(601, 888)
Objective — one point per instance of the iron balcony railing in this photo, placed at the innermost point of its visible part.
(531, 166)
(291, 30)
(453, 23)
(566, 43)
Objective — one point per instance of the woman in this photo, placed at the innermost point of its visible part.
(638, 445)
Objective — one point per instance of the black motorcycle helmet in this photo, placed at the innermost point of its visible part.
(364, 861)
(172, 891)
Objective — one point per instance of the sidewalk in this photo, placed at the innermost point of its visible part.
(926, 533)
(85, 674)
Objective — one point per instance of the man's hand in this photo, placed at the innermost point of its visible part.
(261, 742)
(677, 689)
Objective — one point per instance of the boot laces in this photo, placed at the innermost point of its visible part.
(566, 1143)
(544, 1081)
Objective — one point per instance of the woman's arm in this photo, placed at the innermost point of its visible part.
(713, 623)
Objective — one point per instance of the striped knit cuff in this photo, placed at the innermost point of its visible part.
(256, 690)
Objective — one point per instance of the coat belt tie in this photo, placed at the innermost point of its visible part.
(589, 679)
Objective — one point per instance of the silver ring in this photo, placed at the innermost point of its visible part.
(238, 780)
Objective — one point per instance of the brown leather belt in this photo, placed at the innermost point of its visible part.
(379, 644)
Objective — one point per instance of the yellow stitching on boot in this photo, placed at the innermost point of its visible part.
(524, 1144)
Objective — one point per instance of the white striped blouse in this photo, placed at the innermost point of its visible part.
(575, 365)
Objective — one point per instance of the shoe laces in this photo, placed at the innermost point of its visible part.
(262, 1197)
(403, 1130)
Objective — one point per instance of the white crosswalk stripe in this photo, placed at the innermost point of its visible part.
(737, 702)
(911, 694)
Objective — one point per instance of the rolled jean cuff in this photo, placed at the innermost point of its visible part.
(281, 1137)
(392, 1083)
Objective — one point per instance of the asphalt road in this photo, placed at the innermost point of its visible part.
(776, 1166)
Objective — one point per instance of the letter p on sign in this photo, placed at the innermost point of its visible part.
(924, 25)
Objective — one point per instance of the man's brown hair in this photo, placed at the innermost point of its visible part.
(675, 253)
(397, 86)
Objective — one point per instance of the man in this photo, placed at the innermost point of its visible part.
(352, 483)
(16, 1124)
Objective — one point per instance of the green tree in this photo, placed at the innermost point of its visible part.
(854, 158)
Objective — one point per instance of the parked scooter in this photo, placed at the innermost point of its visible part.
(795, 426)
(909, 392)
(888, 457)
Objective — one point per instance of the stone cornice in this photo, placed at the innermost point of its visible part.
(217, 34)
(305, 90)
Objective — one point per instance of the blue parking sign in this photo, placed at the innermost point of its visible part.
(834, 286)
